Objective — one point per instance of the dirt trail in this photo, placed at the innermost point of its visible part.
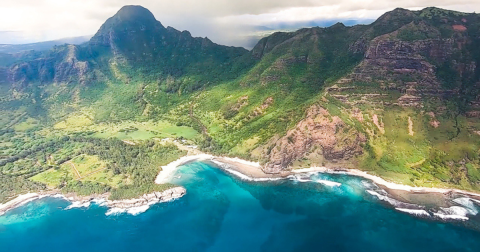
(74, 168)
(410, 126)
(91, 173)
(128, 142)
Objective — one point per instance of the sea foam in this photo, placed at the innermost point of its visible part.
(415, 212)
(328, 183)
(452, 213)
(115, 211)
(468, 204)
(391, 201)
(132, 211)
(78, 204)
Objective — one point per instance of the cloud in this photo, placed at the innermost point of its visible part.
(50, 19)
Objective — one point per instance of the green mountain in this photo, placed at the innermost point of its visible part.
(398, 98)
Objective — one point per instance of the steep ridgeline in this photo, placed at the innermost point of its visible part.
(292, 71)
(133, 45)
(433, 53)
(398, 97)
(413, 96)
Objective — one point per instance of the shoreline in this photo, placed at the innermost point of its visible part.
(386, 184)
(250, 171)
(130, 206)
(434, 203)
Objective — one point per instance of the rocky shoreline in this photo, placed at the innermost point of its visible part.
(245, 170)
(131, 206)
(437, 203)
(389, 185)
(253, 171)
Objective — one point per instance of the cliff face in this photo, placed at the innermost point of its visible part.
(430, 56)
(335, 140)
(408, 66)
(59, 66)
(424, 59)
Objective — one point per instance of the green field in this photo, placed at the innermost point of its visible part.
(126, 130)
(90, 169)
(29, 123)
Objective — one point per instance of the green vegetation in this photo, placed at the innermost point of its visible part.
(124, 130)
(80, 164)
(106, 114)
(81, 168)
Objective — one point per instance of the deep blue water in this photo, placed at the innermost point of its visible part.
(223, 213)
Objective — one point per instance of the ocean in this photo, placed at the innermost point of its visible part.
(221, 212)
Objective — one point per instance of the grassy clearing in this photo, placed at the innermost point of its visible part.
(143, 130)
(54, 177)
(29, 123)
(246, 146)
(87, 164)
(432, 157)
(91, 169)
(127, 130)
(77, 120)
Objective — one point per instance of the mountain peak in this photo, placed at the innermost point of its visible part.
(129, 21)
(130, 16)
(134, 13)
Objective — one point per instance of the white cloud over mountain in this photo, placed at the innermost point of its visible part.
(37, 20)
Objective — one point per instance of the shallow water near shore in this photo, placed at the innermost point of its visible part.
(223, 213)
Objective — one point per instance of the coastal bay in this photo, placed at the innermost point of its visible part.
(416, 198)
(301, 212)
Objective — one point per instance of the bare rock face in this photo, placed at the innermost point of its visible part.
(337, 140)
(71, 67)
(394, 60)
(408, 59)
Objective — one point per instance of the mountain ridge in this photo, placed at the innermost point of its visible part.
(398, 98)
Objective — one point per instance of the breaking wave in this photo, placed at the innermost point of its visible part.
(415, 212)
(78, 204)
(132, 211)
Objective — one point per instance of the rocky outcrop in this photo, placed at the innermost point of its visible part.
(84, 201)
(337, 140)
(149, 199)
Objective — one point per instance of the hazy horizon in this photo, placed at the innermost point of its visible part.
(223, 21)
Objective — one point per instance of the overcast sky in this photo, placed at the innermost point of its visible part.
(25, 21)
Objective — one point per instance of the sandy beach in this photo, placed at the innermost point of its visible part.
(253, 171)
(248, 170)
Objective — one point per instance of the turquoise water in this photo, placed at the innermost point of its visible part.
(223, 213)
